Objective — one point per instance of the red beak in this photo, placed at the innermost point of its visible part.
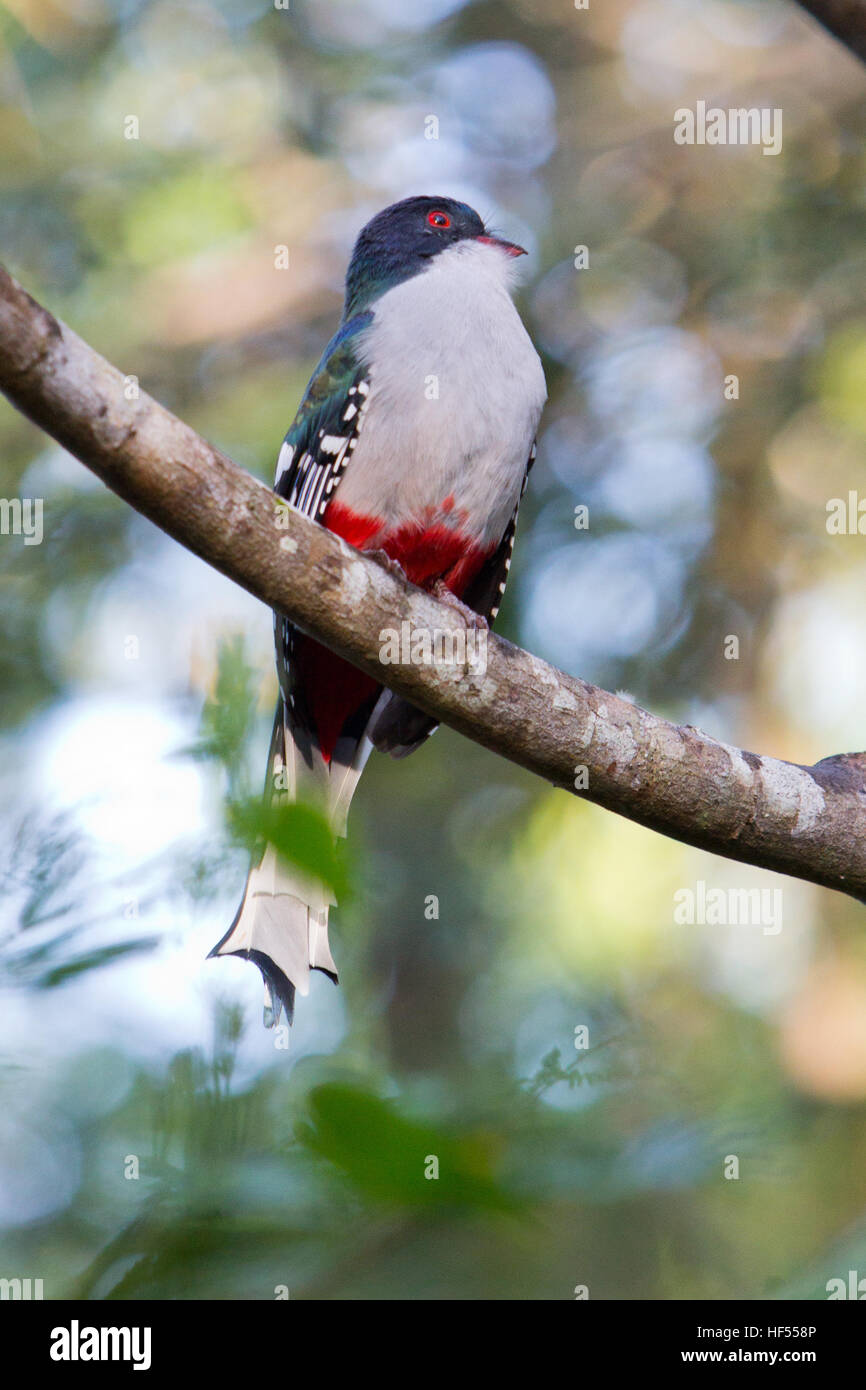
(509, 247)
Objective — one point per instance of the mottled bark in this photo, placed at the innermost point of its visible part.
(805, 821)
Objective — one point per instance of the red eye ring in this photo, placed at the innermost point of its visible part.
(438, 218)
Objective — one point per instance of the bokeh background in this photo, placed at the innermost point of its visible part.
(136, 685)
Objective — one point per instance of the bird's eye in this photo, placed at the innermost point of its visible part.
(438, 219)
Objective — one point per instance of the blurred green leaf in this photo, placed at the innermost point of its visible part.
(300, 834)
(93, 960)
(228, 717)
(843, 377)
(387, 1156)
(183, 216)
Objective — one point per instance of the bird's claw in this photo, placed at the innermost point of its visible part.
(469, 616)
(384, 559)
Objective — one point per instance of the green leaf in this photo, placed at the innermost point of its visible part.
(93, 960)
(388, 1157)
(299, 833)
(229, 715)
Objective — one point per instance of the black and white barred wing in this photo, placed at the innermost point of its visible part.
(309, 470)
(322, 437)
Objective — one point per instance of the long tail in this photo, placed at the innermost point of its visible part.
(282, 922)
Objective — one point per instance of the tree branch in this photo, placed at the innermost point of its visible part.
(805, 821)
(846, 19)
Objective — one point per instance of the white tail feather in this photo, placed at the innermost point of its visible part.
(347, 764)
(282, 922)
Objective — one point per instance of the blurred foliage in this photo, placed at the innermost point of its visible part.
(299, 833)
(228, 717)
(154, 1142)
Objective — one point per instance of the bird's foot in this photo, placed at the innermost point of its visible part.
(470, 617)
(384, 559)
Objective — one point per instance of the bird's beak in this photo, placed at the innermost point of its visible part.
(509, 247)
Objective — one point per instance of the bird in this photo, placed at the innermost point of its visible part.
(413, 442)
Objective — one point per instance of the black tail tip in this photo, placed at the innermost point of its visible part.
(279, 984)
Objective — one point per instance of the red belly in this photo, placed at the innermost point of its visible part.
(334, 690)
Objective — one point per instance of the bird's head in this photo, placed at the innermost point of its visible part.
(402, 240)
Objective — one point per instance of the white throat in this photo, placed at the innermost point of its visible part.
(456, 392)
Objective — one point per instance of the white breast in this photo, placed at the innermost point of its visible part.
(456, 393)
